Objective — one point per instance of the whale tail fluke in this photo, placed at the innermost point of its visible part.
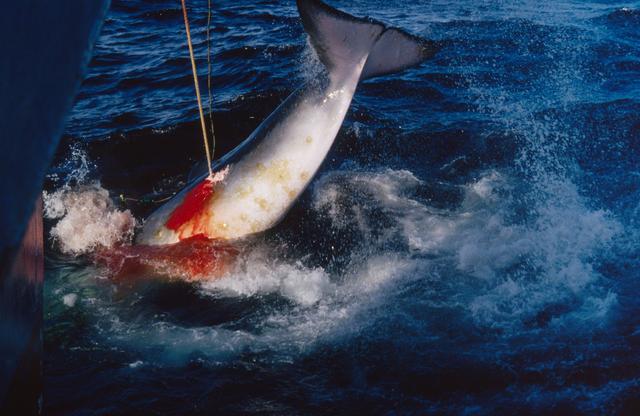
(345, 43)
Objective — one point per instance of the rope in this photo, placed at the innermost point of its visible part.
(124, 199)
(195, 81)
(213, 132)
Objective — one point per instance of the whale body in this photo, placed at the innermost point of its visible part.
(256, 183)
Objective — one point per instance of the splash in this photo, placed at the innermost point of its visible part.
(258, 274)
(87, 219)
(89, 223)
(414, 261)
(524, 267)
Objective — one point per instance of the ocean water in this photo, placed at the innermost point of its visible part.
(471, 245)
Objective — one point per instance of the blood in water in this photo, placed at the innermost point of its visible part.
(194, 258)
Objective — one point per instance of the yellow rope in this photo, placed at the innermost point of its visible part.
(195, 81)
(213, 132)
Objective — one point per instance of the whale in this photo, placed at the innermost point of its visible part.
(255, 184)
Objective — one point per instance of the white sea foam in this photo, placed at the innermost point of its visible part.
(85, 216)
(257, 273)
(526, 265)
(70, 300)
(86, 219)
(320, 309)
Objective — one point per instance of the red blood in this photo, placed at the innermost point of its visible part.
(193, 258)
(192, 205)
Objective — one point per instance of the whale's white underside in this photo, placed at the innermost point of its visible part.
(270, 169)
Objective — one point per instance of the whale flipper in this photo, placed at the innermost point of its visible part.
(344, 42)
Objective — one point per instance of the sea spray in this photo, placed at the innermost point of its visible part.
(87, 219)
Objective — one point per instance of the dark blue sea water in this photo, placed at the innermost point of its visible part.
(470, 246)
